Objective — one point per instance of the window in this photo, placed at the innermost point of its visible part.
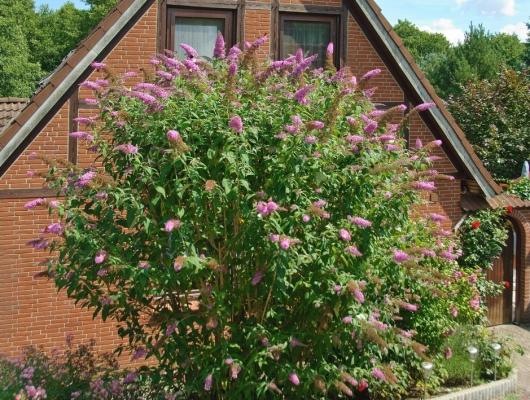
(198, 28)
(311, 33)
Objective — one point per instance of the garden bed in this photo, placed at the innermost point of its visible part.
(488, 391)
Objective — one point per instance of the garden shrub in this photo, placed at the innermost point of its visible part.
(520, 187)
(483, 237)
(250, 229)
(457, 362)
(77, 372)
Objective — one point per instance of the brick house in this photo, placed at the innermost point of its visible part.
(31, 311)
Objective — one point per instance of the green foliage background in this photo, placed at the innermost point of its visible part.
(34, 41)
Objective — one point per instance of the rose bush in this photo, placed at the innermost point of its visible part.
(250, 229)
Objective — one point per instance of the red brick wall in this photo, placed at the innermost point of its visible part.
(30, 310)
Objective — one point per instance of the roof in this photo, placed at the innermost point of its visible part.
(474, 202)
(9, 108)
(15, 137)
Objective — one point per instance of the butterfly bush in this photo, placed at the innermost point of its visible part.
(250, 229)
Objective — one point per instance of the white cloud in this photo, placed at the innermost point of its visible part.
(491, 7)
(447, 28)
(518, 29)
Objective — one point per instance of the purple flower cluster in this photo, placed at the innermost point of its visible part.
(82, 135)
(264, 209)
(127, 148)
(30, 205)
(85, 179)
(236, 124)
(360, 222)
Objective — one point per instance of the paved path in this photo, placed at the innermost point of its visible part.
(521, 334)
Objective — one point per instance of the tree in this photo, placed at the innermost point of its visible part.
(18, 74)
(527, 51)
(98, 9)
(482, 55)
(250, 229)
(57, 33)
(421, 44)
(496, 118)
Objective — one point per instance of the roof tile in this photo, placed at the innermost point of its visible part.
(10, 107)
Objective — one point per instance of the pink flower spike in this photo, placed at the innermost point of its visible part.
(236, 124)
(285, 244)
(354, 139)
(127, 148)
(316, 125)
(90, 85)
(171, 225)
(371, 127)
(425, 106)
(347, 320)
(306, 218)
(139, 353)
(100, 257)
(144, 265)
(208, 383)
(274, 238)
(56, 228)
(400, 256)
(301, 94)
(437, 217)
(293, 378)
(371, 74)
(330, 49)
(436, 143)
(219, 50)
(351, 121)
(419, 144)
(344, 235)
(310, 139)
(410, 307)
(177, 264)
(30, 205)
(256, 279)
(30, 174)
(190, 51)
(359, 296)
(173, 136)
(354, 251)
(423, 185)
(98, 66)
(232, 69)
(360, 222)
(474, 303)
(378, 374)
(272, 207)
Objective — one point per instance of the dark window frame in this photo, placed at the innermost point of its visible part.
(229, 16)
(335, 30)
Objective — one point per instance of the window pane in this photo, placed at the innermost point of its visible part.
(200, 33)
(311, 36)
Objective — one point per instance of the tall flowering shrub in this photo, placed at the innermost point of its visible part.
(250, 229)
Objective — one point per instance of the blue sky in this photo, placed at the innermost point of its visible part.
(450, 17)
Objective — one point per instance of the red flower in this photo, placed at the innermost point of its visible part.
(507, 285)
(475, 225)
(362, 386)
(509, 209)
